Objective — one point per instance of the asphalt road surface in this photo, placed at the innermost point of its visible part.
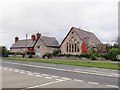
(20, 74)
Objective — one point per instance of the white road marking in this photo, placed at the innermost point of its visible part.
(16, 70)
(93, 83)
(112, 86)
(54, 76)
(114, 74)
(48, 77)
(69, 70)
(85, 72)
(46, 84)
(12, 63)
(92, 73)
(30, 74)
(108, 74)
(90, 70)
(38, 75)
(45, 74)
(22, 72)
(66, 78)
(78, 80)
(60, 80)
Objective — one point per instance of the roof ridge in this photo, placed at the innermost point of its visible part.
(82, 30)
(48, 36)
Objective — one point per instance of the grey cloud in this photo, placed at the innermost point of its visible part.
(56, 18)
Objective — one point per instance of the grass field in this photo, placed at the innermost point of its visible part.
(106, 65)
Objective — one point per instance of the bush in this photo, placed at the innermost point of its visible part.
(85, 55)
(47, 55)
(93, 57)
(30, 56)
(56, 52)
(112, 53)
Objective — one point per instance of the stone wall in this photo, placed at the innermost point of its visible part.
(71, 38)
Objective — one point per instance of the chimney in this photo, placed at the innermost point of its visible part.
(16, 39)
(38, 35)
(33, 37)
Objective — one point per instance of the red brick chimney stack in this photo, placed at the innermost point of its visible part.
(38, 35)
(16, 39)
(33, 37)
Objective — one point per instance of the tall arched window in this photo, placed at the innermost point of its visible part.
(67, 47)
(72, 39)
(75, 45)
(72, 47)
(78, 47)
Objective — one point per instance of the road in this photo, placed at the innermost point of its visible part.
(20, 74)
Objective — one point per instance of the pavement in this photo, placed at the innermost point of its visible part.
(19, 74)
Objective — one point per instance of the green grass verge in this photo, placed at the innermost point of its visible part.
(106, 65)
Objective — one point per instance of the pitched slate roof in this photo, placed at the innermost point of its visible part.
(85, 36)
(48, 41)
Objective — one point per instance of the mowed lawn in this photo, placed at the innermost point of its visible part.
(106, 65)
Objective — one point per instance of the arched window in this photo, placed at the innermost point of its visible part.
(75, 45)
(72, 39)
(67, 47)
(78, 47)
(72, 47)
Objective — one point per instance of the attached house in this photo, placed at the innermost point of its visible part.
(39, 45)
(79, 41)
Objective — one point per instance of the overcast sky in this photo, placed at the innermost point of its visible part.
(56, 17)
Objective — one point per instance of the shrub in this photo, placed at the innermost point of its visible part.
(93, 57)
(47, 55)
(85, 55)
(56, 52)
(30, 56)
(112, 53)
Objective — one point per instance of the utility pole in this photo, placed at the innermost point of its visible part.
(26, 47)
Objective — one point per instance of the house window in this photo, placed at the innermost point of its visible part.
(38, 46)
(72, 32)
(67, 47)
(78, 45)
(72, 47)
(75, 45)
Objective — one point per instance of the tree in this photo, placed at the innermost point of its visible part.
(3, 51)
